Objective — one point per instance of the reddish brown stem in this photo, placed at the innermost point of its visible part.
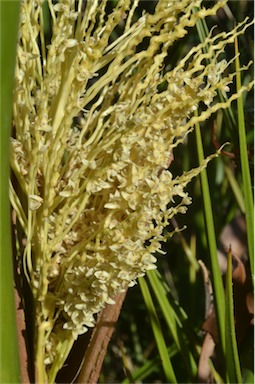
(21, 330)
(99, 341)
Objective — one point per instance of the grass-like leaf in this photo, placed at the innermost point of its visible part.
(175, 320)
(159, 337)
(247, 186)
(9, 359)
(217, 284)
(149, 367)
(233, 369)
(235, 188)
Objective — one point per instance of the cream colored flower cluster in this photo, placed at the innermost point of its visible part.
(96, 121)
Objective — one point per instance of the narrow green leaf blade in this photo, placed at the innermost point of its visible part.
(9, 359)
(232, 358)
(218, 289)
(149, 367)
(175, 322)
(247, 186)
(166, 362)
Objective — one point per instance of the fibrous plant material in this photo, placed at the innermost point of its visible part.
(96, 121)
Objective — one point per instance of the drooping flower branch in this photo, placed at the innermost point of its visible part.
(95, 126)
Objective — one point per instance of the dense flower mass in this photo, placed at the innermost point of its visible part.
(96, 121)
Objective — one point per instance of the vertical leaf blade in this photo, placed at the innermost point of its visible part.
(247, 186)
(9, 358)
(175, 323)
(232, 358)
(218, 290)
(166, 362)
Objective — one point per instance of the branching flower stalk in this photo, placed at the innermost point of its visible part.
(95, 123)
